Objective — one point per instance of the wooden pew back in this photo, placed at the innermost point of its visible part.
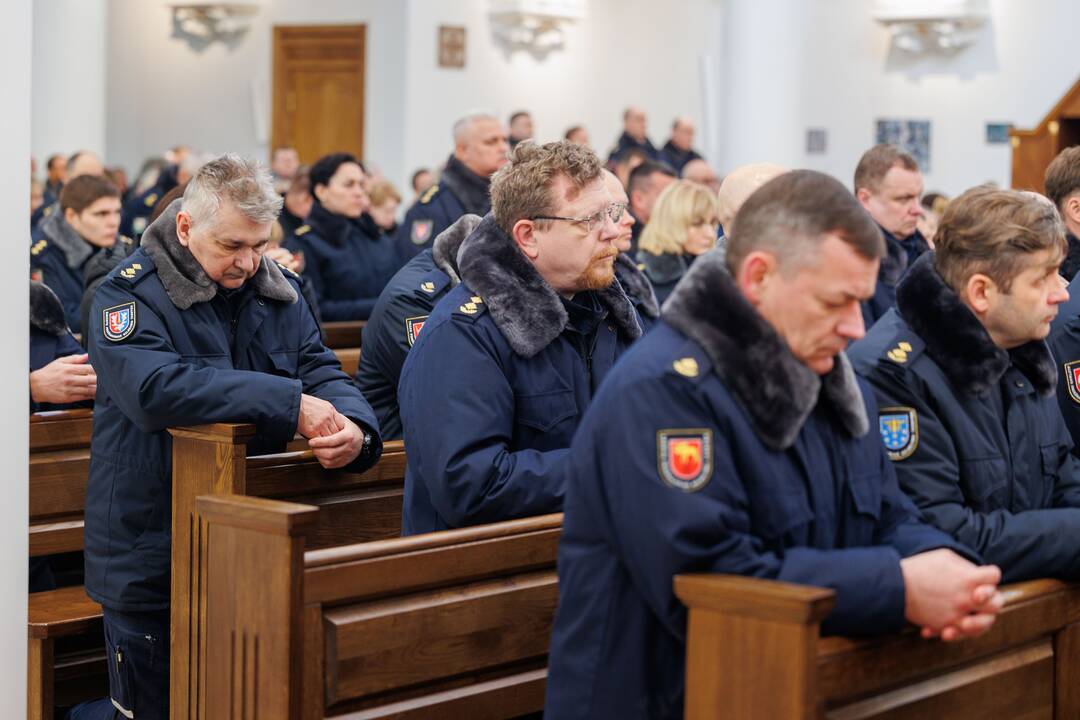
(453, 624)
(343, 334)
(59, 465)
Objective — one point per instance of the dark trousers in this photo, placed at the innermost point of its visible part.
(137, 649)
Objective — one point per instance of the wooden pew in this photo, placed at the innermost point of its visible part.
(343, 334)
(349, 359)
(754, 651)
(452, 624)
(211, 459)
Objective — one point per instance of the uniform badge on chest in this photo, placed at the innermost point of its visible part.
(118, 321)
(899, 427)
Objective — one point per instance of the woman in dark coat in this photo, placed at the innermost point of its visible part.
(683, 225)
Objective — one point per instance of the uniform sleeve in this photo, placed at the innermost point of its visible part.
(321, 375)
(1033, 543)
(457, 410)
(157, 388)
(661, 530)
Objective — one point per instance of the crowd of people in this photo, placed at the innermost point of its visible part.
(867, 388)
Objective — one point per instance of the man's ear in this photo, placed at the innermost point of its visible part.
(183, 227)
(524, 236)
(70, 215)
(863, 196)
(1071, 209)
(755, 273)
(979, 291)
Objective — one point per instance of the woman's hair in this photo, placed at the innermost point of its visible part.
(682, 204)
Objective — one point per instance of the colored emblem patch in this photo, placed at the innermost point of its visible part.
(413, 326)
(899, 427)
(684, 457)
(1072, 380)
(421, 231)
(118, 321)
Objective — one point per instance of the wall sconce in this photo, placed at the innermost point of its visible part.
(923, 26)
(535, 26)
(201, 24)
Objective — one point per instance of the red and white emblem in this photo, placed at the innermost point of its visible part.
(413, 326)
(684, 457)
(1072, 380)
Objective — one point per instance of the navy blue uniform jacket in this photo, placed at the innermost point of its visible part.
(1064, 341)
(783, 485)
(494, 388)
(49, 337)
(245, 358)
(459, 191)
(900, 255)
(348, 262)
(986, 454)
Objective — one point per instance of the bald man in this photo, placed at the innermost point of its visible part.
(740, 184)
(701, 172)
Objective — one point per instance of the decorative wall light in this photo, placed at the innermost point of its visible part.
(534, 26)
(202, 24)
(924, 26)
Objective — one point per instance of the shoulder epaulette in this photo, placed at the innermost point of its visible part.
(904, 349)
(303, 229)
(151, 200)
(430, 193)
(472, 308)
(433, 283)
(38, 247)
(286, 271)
(689, 362)
(133, 272)
(126, 240)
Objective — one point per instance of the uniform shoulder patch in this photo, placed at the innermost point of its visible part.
(684, 457)
(302, 230)
(151, 200)
(286, 271)
(39, 247)
(904, 349)
(899, 427)
(126, 240)
(429, 194)
(132, 271)
(420, 232)
(118, 321)
(1072, 380)
(413, 326)
(687, 367)
(473, 307)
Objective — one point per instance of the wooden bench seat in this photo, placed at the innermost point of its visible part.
(343, 334)
(58, 614)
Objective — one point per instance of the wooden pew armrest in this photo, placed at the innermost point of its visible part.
(769, 600)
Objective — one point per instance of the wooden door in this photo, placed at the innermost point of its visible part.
(319, 89)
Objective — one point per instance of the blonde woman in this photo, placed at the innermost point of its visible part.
(682, 226)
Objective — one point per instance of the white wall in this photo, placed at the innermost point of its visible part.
(15, 54)
(1024, 61)
(68, 102)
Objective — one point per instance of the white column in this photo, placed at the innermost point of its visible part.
(762, 104)
(15, 53)
(68, 94)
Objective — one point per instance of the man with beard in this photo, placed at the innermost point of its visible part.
(965, 385)
(480, 148)
(508, 361)
(734, 438)
(888, 184)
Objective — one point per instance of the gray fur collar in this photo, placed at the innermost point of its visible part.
(958, 342)
(527, 311)
(46, 313)
(444, 251)
(75, 249)
(663, 268)
(471, 190)
(636, 286)
(775, 389)
(186, 283)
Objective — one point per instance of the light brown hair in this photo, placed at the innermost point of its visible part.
(877, 162)
(382, 191)
(522, 189)
(681, 205)
(994, 232)
(84, 191)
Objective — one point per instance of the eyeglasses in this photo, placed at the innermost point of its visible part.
(614, 211)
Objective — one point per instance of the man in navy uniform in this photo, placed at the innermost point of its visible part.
(399, 316)
(965, 383)
(679, 149)
(506, 364)
(480, 148)
(735, 438)
(195, 327)
(634, 135)
(888, 184)
(1063, 189)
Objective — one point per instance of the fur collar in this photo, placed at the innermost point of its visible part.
(46, 313)
(1071, 265)
(75, 249)
(663, 268)
(527, 311)
(636, 286)
(895, 261)
(335, 228)
(775, 389)
(444, 250)
(471, 190)
(186, 283)
(958, 342)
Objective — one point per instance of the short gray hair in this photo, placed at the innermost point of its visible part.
(243, 182)
(462, 126)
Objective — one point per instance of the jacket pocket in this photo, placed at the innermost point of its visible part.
(984, 482)
(780, 511)
(284, 363)
(866, 495)
(543, 411)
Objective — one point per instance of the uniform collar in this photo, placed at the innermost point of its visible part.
(527, 311)
(76, 250)
(636, 285)
(471, 190)
(185, 282)
(776, 390)
(665, 267)
(958, 342)
(447, 245)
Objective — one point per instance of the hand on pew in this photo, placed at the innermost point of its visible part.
(948, 596)
(341, 448)
(317, 418)
(65, 380)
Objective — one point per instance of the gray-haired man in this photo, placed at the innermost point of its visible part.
(195, 327)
